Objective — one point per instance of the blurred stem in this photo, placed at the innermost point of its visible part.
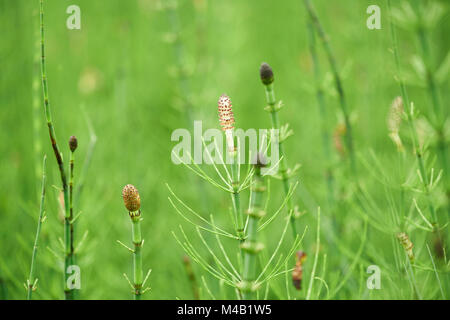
(137, 257)
(270, 97)
(326, 141)
(180, 60)
(235, 195)
(36, 98)
(184, 80)
(31, 280)
(251, 247)
(338, 82)
(55, 147)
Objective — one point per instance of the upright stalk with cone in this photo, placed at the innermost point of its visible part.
(132, 202)
(267, 78)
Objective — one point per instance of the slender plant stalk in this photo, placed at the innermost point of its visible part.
(326, 141)
(337, 79)
(180, 60)
(236, 194)
(31, 282)
(266, 74)
(137, 256)
(132, 202)
(36, 106)
(56, 150)
(183, 78)
(251, 246)
(226, 119)
(316, 258)
(69, 223)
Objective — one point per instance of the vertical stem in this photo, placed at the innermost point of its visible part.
(51, 131)
(338, 82)
(235, 195)
(137, 257)
(36, 105)
(323, 114)
(270, 97)
(180, 61)
(251, 247)
(70, 257)
(31, 280)
(316, 258)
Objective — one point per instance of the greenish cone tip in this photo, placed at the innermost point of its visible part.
(73, 143)
(266, 73)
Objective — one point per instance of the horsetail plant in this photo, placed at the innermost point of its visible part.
(267, 78)
(337, 79)
(229, 179)
(179, 52)
(36, 104)
(251, 246)
(222, 266)
(31, 283)
(226, 118)
(320, 97)
(58, 155)
(428, 182)
(132, 202)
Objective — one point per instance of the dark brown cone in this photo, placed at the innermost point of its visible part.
(266, 74)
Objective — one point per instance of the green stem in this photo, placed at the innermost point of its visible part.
(270, 97)
(70, 252)
(251, 247)
(137, 257)
(36, 105)
(31, 280)
(316, 258)
(235, 195)
(180, 61)
(55, 147)
(338, 82)
(329, 177)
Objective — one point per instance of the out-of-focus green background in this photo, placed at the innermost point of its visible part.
(122, 69)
